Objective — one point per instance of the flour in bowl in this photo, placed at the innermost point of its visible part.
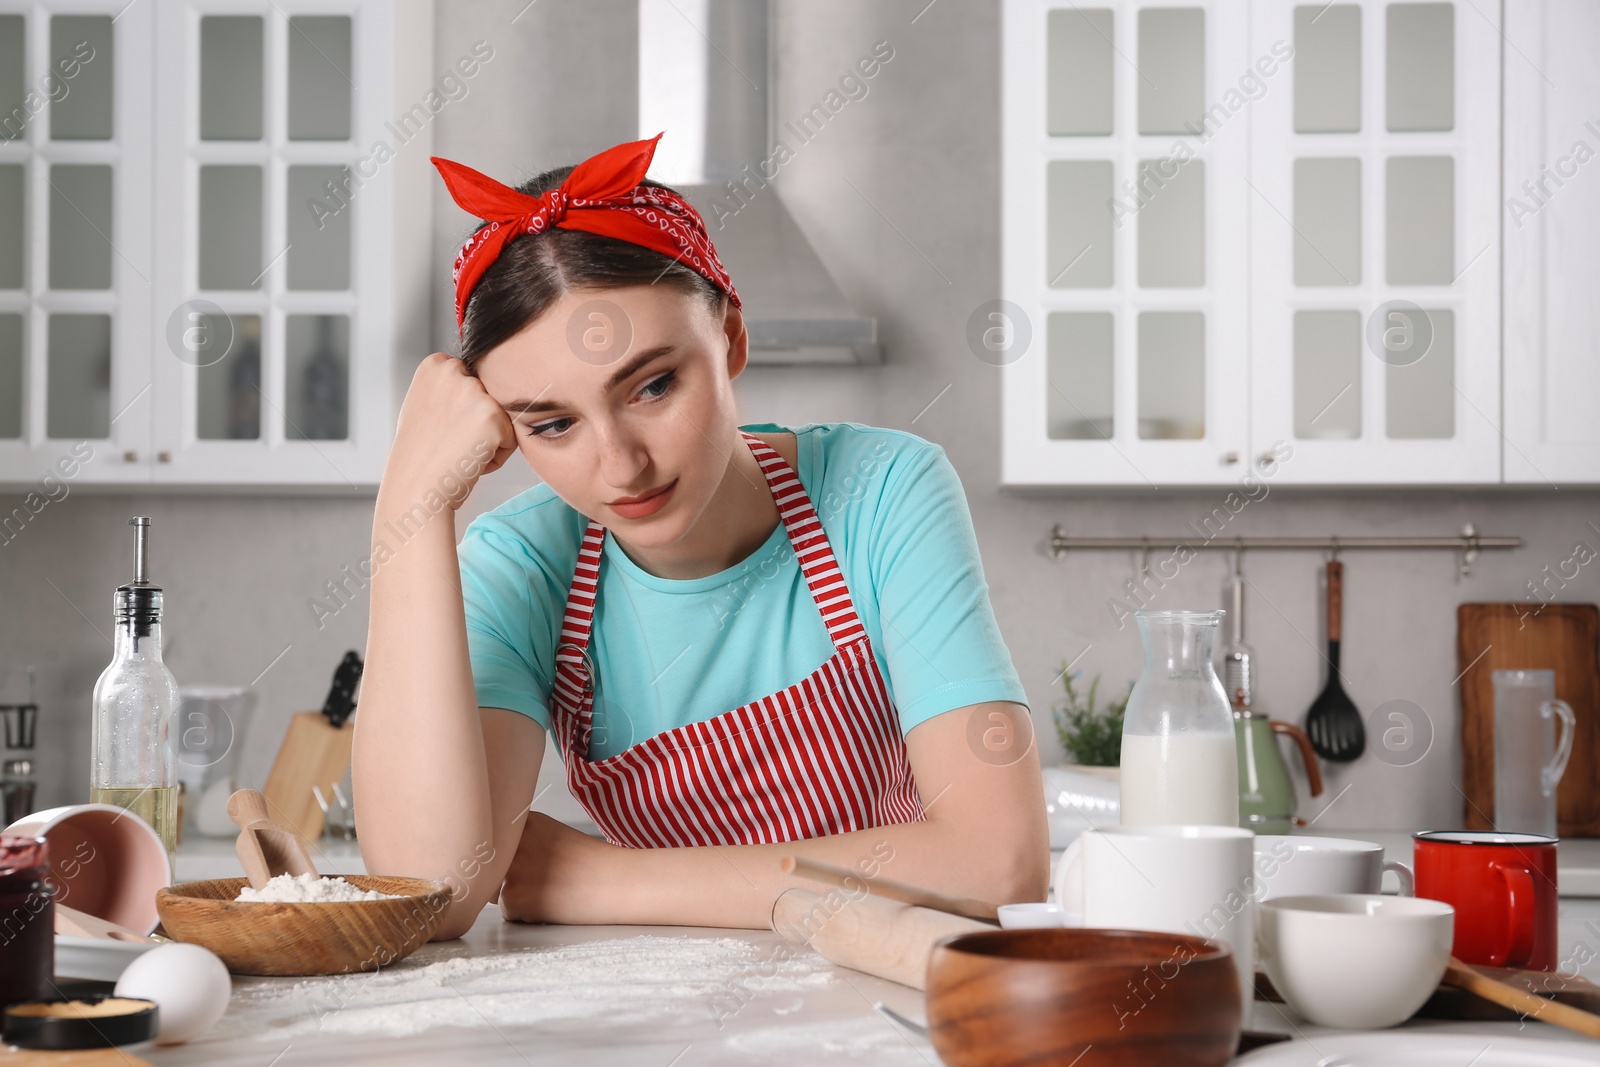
(308, 889)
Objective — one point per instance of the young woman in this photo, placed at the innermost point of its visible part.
(823, 583)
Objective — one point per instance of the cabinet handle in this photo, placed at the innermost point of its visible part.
(1230, 458)
(163, 457)
(130, 456)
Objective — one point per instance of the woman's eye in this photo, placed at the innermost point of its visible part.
(656, 389)
(539, 430)
(665, 382)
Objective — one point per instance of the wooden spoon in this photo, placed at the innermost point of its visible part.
(905, 893)
(1462, 976)
(265, 849)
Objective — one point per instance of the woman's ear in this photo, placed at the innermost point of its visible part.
(738, 338)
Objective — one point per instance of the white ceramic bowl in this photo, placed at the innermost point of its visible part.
(1355, 961)
(1033, 914)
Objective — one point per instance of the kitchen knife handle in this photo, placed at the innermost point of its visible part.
(1335, 598)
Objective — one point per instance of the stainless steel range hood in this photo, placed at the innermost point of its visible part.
(705, 78)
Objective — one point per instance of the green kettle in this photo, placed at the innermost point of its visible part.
(1266, 793)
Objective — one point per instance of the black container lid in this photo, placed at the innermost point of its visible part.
(65, 1032)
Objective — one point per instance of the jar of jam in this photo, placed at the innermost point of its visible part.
(27, 921)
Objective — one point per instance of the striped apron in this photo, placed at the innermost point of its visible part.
(824, 756)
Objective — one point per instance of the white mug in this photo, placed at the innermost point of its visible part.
(1301, 866)
(1179, 879)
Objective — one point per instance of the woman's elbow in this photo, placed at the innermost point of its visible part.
(1018, 865)
(459, 917)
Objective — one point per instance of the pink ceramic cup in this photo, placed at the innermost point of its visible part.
(104, 860)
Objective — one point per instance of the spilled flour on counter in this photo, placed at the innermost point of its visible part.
(622, 980)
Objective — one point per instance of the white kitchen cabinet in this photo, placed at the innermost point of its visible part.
(274, 196)
(75, 150)
(1130, 290)
(1351, 161)
(1375, 345)
(1551, 226)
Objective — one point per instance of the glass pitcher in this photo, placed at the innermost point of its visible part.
(1179, 762)
(1528, 760)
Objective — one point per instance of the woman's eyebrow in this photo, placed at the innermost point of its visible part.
(622, 374)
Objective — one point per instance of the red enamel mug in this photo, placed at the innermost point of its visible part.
(1503, 887)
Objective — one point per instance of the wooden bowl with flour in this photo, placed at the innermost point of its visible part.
(1110, 997)
(325, 937)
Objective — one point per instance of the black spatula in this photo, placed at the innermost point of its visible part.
(1333, 721)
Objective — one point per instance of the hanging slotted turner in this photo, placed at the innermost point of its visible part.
(1333, 722)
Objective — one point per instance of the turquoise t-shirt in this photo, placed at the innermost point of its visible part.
(668, 652)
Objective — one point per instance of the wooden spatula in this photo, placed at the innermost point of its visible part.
(1462, 976)
(265, 848)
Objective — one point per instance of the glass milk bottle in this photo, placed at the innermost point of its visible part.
(1179, 760)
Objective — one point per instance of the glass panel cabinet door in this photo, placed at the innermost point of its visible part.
(1125, 141)
(1375, 272)
(276, 230)
(75, 247)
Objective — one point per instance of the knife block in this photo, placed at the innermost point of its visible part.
(314, 753)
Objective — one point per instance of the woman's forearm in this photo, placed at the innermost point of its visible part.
(420, 771)
(735, 886)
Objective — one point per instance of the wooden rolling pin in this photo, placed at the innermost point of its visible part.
(845, 878)
(872, 934)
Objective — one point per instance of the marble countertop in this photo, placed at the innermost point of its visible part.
(603, 995)
(517, 993)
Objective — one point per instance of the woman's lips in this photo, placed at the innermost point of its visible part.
(638, 508)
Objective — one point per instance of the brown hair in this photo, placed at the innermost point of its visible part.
(535, 270)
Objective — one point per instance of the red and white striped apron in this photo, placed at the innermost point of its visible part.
(824, 756)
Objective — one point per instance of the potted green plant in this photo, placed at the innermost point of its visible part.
(1091, 735)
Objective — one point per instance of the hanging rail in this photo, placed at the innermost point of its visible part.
(1469, 542)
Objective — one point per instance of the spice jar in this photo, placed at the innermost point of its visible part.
(27, 920)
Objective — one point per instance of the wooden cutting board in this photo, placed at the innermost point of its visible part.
(1564, 638)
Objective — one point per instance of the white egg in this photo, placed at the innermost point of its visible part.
(189, 984)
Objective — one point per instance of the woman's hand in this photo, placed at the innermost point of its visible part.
(560, 875)
(451, 432)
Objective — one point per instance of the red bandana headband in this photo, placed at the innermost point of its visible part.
(602, 195)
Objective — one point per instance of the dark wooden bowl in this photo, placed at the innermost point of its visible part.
(331, 937)
(1111, 997)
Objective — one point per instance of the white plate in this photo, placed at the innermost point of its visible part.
(1399, 1049)
(99, 958)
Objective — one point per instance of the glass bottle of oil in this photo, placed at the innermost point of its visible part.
(134, 745)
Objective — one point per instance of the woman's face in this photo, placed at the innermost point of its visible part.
(618, 392)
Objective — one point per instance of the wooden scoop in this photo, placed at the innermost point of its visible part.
(265, 849)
